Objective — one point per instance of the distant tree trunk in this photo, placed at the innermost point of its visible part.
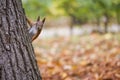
(106, 23)
(106, 27)
(71, 27)
(73, 21)
(118, 18)
(17, 59)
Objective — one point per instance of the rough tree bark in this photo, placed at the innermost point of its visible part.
(17, 59)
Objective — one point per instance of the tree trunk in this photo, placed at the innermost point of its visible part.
(106, 23)
(72, 24)
(71, 28)
(118, 16)
(17, 59)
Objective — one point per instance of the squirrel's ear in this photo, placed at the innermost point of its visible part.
(43, 20)
(38, 19)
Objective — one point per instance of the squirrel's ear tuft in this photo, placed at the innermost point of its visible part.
(38, 19)
(43, 20)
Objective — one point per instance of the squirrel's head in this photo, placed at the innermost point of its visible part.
(39, 22)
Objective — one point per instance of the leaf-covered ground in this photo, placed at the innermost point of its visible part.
(87, 57)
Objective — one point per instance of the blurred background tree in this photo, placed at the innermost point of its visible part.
(116, 7)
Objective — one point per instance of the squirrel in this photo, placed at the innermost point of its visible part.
(35, 28)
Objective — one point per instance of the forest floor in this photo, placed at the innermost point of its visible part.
(85, 57)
